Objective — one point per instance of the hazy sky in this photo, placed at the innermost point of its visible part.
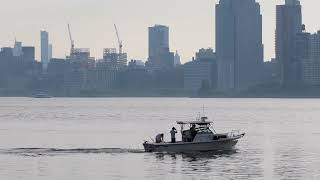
(191, 23)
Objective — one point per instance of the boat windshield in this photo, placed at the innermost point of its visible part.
(198, 128)
(201, 125)
(204, 130)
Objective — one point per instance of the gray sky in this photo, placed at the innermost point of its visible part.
(191, 23)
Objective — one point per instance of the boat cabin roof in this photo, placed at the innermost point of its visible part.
(194, 122)
(201, 121)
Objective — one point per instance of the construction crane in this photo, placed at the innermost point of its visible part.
(119, 41)
(72, 41)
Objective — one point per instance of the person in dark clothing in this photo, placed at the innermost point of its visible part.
(159, 138)
(173, 133)
(193, 132)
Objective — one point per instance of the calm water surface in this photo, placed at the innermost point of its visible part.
(100, 138)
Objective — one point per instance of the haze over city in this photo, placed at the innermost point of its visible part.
(191, 24)
(159, 89)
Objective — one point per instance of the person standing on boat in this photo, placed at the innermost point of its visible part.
(173, 133)
(193, 132)
(159, 138)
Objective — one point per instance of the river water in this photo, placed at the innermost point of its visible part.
(101, 138)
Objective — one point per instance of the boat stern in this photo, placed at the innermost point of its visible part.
(148, 147)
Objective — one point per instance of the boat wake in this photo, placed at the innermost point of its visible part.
(39, 152)
(56, 152)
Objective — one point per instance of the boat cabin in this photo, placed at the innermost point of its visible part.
(197, 131)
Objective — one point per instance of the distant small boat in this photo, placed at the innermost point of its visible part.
(41, 95)
(200, 137)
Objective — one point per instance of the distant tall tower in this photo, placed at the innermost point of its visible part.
(239, 45)
(289, 24)
(44, 50)
(158, 39)
(159, 51)
(50, 51)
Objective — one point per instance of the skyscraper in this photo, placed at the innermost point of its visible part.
(44, 49)
(50, 51)
(159, 51)
(289, 24)
(239, 45)
(158, 39)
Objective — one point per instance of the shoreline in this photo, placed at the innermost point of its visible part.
(190, 97)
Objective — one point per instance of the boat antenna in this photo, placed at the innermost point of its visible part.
(203, 110)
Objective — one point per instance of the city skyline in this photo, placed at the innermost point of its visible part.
(95, 30)
(159, 89)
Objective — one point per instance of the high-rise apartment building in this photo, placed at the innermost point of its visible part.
(301, 47)
(288, 25)
(44, 50)
(315, 46)
(239, 45)
(158, 39)
(310, 66)
(159, 51)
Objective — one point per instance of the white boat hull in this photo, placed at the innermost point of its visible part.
(214, 145)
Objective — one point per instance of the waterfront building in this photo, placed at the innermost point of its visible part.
(271, 71)
(311, 72)
(315, 46)
(80, 64)
(16, 72)
(302, 47)
(196, 72)
(114, 60)
(310, 68)
(239, 45)
(201, 69)
(288, 25)
(102, 79)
